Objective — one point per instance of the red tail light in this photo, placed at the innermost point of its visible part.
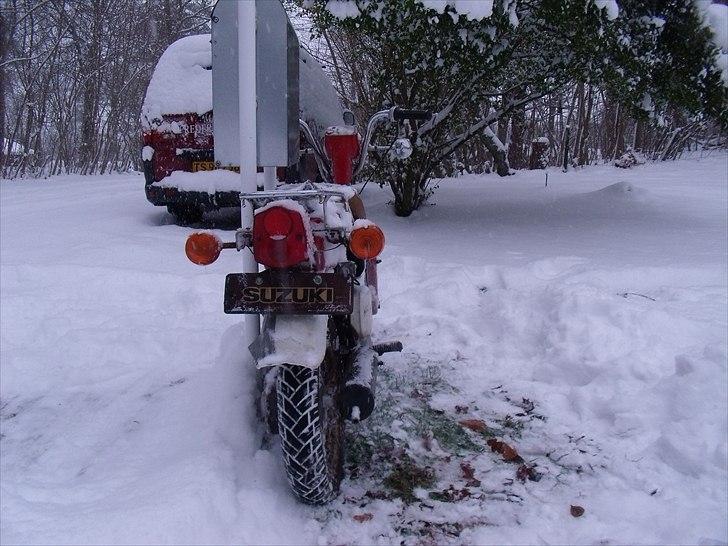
(277, 223)
(279, 237)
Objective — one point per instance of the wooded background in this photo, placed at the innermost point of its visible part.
(73, 74)
(601, 128)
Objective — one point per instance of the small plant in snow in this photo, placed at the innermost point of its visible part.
(629, 159)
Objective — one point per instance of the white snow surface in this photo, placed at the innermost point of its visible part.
(205, 181)
(715, 17)
(127, 396)
(147, 153)
(611, 7)
(181, 82)
(348, 130)
(346, 191)
(15, 147)
(297, 340)
(478, 9)
(362, 223)
(319, 104)
(473, 9)
(343, 9)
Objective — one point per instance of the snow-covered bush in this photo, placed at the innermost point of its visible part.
(477, 63)
(629, 159)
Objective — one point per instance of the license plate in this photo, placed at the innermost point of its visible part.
(211, 166)
(203, 166)
(288, 292)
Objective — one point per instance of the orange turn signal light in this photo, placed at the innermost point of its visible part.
(366, 242)
(203, 248)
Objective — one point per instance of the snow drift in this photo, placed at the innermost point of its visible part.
(583, 323)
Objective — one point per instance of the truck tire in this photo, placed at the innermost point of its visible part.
(311, 428)
(186, 213)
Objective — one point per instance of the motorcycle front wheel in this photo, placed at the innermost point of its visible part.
(311, 428)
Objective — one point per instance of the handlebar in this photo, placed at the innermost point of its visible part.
(382, 115)
(399, 114)
(391, 114)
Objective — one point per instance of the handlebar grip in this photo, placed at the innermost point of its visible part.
(400, 114)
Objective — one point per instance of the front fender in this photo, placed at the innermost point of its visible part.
(291, 339)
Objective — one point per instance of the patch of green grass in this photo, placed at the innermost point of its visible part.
(406, 476)
(448, 433)
(361, 450)
(514, 426)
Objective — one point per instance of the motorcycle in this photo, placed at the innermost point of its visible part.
(317, 296)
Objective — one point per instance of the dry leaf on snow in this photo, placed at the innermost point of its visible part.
(476, 425)
(577, 511)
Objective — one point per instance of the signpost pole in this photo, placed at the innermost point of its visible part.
(247, 104)
(269, 178)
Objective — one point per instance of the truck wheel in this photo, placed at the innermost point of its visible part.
(186, 213)
(311, 428)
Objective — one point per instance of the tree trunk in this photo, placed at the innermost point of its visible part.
(503, 130)
(551, 126)
(498, 151)
(516, 155)
(565, 147)
(4, 43)
(639, 135)
(29, 125)
(580, 118)
(539, 154)
(619, 123)
(581, 152)
(408, 181)
(90, 98)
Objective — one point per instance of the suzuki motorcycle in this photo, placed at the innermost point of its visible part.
(317, 294)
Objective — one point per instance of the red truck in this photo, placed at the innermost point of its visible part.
(178, 133)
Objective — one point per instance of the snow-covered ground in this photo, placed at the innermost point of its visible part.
(583, 323)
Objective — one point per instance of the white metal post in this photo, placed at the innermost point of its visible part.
(269, 178)
(247, 129)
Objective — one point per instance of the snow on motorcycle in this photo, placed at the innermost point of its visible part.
(317, 293)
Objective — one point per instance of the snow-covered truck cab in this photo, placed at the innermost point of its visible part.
(178, 132)
(177, 126)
